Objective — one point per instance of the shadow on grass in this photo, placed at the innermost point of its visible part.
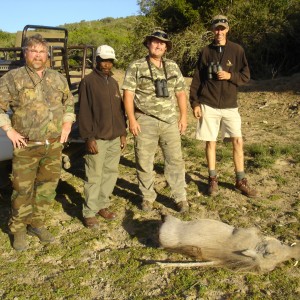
(146, 231)
(5, 207)
(70, 200)
(202, 183)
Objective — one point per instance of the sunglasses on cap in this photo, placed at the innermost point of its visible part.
(219, 21)
(160, 34)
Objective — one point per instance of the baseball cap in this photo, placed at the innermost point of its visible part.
(219, 20)
(106, 52)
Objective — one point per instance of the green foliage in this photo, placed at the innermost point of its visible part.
(266, 29)
(114, 32)
(134, 49)
(173, 15)
(7, 39)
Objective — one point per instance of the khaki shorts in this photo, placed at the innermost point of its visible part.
(212, 119)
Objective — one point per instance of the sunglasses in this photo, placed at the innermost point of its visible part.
(219, 21)
(160, 34)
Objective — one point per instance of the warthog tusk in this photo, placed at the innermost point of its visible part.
(186, 264)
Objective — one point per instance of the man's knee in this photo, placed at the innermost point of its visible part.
(237, 142)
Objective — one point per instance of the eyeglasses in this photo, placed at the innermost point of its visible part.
(33, 51)
(219, 21)
(160, 34)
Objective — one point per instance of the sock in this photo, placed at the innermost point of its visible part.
(212, 173)
(240, 175)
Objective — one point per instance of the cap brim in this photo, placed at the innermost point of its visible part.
(168, 42)
(220, 24)
(102, 57)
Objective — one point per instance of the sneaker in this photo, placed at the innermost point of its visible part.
(213, 189)
(183, 206)
(42, 233)
(147, 205)
(19, 243)
(91, 222)
(242, 187)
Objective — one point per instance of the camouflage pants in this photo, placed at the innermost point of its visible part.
(36, 172)
(153, 133)
(101, 176)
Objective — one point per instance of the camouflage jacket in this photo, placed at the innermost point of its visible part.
(138, 80)
(39, 105)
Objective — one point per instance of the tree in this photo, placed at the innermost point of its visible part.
(268, 30)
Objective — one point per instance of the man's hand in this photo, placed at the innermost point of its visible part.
(134, 127)
(91, 146)
(123, 142)
(66, 129)
(182, 125)
(197, 112)
(223, 75)
(17, 139)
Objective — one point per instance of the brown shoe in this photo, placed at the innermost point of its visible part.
(91, 222)
(108, 215)
(242, 187)
(183, 206)
(213, 189)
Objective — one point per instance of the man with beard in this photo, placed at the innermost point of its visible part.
(42, 115)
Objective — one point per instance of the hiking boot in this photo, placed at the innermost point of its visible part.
(213, 189)
(183, 206)
(242, 187)
(106, 214)
(20, 243)
(42, 233)
(147, 205)
(91, 222)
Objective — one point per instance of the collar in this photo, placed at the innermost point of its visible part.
(31, 70)
(102, 74)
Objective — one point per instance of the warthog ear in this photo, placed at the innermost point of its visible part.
(249, 253)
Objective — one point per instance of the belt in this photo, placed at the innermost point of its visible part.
(45, 142)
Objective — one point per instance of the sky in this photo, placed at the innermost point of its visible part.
(15, 14)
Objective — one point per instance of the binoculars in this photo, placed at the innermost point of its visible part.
(161, 88)
(213, 69)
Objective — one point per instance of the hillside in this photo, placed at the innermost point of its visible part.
(115, 261)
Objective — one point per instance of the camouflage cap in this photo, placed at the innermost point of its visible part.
(219, 20)
(160, 35)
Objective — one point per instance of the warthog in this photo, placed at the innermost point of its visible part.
(224, 245)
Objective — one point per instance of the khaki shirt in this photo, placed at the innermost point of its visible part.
(138, 80)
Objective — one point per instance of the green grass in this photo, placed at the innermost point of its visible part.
(264, 156)
(116, 262)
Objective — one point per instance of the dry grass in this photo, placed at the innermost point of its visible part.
(113, 263)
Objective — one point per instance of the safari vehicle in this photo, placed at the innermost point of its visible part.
(72, 61)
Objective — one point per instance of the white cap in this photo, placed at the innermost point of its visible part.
(106, 52)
